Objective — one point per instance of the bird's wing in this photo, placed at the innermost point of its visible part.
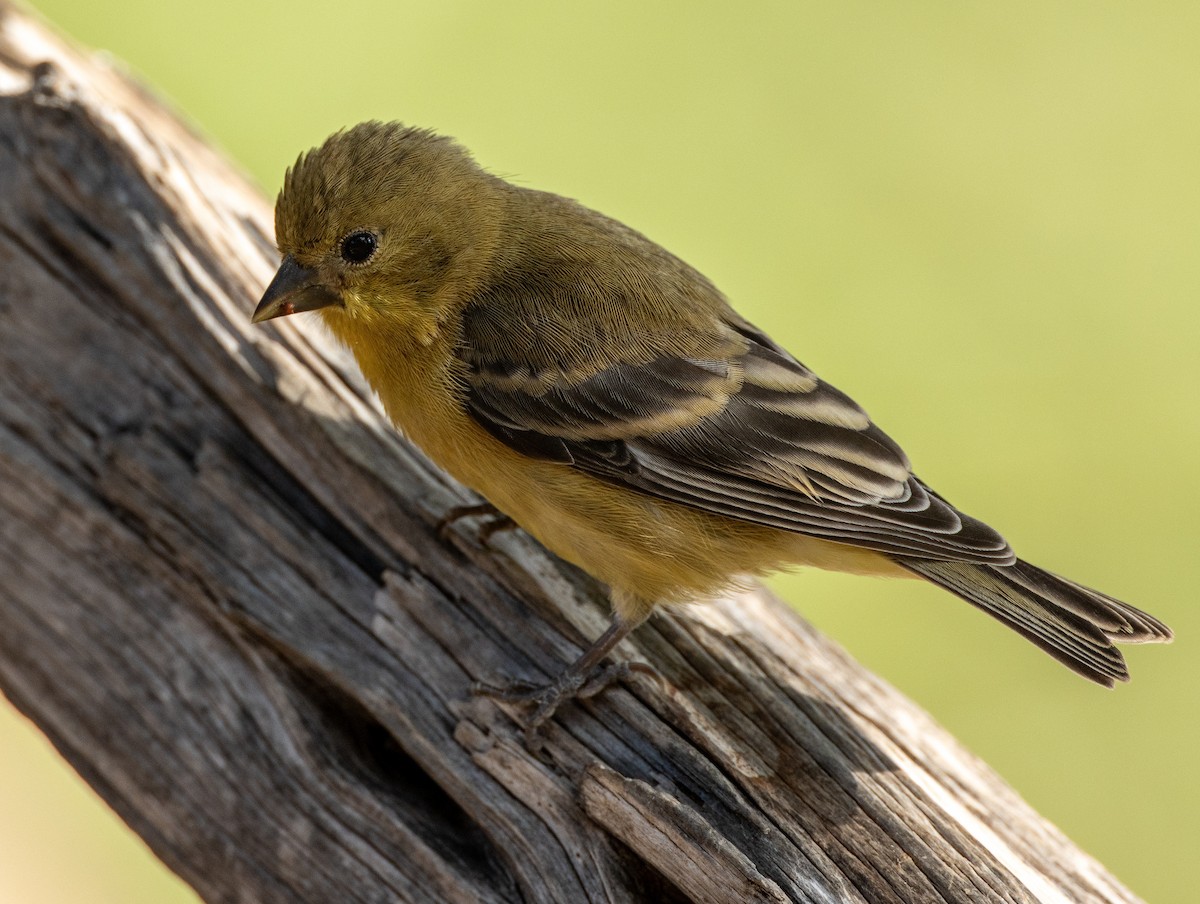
(749, 433)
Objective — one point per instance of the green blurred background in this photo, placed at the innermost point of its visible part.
(981, 220)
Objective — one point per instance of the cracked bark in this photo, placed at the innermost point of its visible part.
(223, 599)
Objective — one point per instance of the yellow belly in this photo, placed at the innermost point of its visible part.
(648, 550)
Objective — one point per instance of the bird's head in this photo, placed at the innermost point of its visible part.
(382, 223)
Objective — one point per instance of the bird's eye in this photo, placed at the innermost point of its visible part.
(358, 247)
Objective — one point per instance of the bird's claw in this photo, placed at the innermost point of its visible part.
(611, 674)
(547, 698)
(495, 521)
(544, 698)
(510, 692)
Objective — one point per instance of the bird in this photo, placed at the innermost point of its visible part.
(606, 397)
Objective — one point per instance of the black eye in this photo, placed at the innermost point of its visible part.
(358, 247)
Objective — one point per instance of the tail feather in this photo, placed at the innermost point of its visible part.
(1076, 625)
(1139, 626)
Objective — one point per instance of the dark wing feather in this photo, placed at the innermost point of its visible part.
(751, 434)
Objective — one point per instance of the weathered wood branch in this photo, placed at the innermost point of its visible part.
(222, 598)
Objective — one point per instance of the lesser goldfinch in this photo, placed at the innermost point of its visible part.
(605, 396)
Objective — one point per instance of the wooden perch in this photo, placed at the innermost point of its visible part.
(223, 599)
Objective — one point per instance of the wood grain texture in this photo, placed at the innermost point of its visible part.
(223, 599)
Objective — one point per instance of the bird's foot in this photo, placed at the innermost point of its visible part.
(612, 674)
(545, 699)
(494, 522)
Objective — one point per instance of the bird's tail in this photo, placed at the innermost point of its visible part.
(1076, 625)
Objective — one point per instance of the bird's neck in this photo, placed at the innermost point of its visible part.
(410, 366)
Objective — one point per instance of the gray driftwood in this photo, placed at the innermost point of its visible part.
(223, 599)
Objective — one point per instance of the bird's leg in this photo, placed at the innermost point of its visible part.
(583, 678)
(495, 520)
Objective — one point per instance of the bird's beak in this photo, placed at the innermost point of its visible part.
(294, 289)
